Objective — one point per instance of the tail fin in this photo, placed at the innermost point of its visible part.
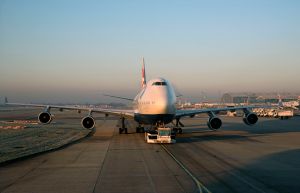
(143, 82)
(3, 101)
(280, 104)
(248, 100)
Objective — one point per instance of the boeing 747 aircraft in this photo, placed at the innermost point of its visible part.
(154, 105)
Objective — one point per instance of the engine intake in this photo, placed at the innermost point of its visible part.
(45, 117)
(250, 118)
(88, 122)
(214, 123)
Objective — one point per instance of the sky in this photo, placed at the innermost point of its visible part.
(76, 50)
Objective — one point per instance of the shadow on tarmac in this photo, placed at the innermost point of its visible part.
(278, 172)
(263, 127)
(273, 172)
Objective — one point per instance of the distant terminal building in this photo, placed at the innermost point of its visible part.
(259, 97)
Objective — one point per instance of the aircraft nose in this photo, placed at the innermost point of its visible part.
(165, 104)
(162, 106)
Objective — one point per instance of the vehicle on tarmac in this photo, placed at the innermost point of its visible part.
(161, 135)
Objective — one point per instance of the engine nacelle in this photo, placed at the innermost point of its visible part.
(214, 123)
(250, 118)
(88, 122)
(45, 117)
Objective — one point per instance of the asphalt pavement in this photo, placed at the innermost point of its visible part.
(237, 158)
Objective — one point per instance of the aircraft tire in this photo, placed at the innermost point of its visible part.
(180, 131)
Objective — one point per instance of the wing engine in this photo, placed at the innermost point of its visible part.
(214, 123)
(250, 118)
(88, 122)
(45, 117)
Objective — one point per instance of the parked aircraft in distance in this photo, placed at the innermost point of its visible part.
(289, 104)
(154, 105)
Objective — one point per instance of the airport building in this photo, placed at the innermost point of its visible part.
(258, 97)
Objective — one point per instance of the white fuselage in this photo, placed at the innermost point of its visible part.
(155, 103)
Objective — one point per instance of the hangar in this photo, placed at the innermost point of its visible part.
(258, 97)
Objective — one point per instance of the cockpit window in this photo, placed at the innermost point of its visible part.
(159, 83)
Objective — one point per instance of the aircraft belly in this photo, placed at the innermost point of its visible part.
(153, 118)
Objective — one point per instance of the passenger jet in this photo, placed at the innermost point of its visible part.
(154, 105)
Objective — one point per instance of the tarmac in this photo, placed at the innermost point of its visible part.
(236, 158)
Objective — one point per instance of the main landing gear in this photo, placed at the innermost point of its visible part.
(178, 129)
(140, 129)
(123, 126)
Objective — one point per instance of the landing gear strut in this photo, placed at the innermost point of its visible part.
(123, 126)
(178, 129)
(140, 129)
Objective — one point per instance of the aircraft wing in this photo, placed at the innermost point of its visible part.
(191, 113)
(116, 112)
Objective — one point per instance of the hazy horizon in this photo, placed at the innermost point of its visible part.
(75, 51)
